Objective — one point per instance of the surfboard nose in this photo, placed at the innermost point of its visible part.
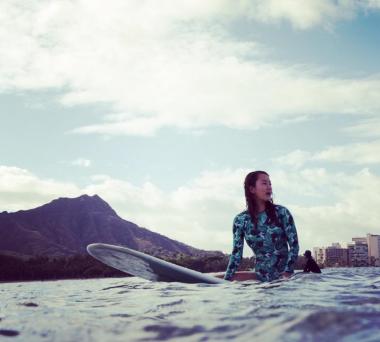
(92, 247)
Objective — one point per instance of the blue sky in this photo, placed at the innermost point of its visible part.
(161, 108)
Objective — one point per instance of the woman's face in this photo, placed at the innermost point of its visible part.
(262, 189)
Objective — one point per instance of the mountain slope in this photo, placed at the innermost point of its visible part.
(66, 226)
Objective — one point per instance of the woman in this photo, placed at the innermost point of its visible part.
(268, 229)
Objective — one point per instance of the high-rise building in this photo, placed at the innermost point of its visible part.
(319, 255)
(373, 242)
(358, 252)
(359, 239)
(335, 255)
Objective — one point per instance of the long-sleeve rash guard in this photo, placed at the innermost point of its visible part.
(268, 242)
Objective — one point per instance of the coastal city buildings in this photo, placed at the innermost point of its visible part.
(335, 255)
(362, 251)
(373, 242)
(319, 255)
(358, 252)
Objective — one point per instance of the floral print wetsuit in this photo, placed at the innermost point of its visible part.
(269, 243)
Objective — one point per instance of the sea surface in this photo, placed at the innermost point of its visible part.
(339, 305)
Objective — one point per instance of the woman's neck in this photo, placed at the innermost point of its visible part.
(260, 206)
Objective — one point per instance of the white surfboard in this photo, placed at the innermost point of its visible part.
(146, 266)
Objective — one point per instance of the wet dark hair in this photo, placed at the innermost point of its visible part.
(252, 206)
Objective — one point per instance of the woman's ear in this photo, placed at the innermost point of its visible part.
(252, 190)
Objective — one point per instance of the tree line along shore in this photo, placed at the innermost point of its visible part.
(13, 268)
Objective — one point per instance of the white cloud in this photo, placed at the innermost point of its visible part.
(82, 162)
(303, 14)
(357, 153)
(307, 183)
(363, 153)
(370, 4)
(294, 159)
(365, 128)
(21, 189)
(160, 65)
(355, 212)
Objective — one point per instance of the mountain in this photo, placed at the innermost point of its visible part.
(66, 226)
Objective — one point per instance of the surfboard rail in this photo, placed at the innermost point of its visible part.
(146, 266)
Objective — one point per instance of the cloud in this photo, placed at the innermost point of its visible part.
(295, 159)
(365, 128)
(82, 162)
(303, 185)
(354, 213)
(303, 14)
(363, 153)
(371, 4)
(159, 65)
(21, 189)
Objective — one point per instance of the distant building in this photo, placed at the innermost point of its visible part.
(373, 242)
(358, 252)
(359, 239)
(335, 255)
(319, 255)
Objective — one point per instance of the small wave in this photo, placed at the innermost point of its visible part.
(29, 304)
(170, 315)
(9, 332)
(361, 301)
(177, 302)
(166, 332)
(123, 315)
(325, 324)
(115, 287)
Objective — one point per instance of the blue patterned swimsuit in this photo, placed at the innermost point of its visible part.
(269, 243)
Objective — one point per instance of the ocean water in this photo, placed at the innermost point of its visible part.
(339, 305)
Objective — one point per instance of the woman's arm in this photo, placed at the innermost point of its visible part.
(307, 267)
(292, 238)
(237, 250)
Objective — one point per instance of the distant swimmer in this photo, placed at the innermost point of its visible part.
(311, 265)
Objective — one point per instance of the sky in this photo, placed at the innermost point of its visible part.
(162, 108)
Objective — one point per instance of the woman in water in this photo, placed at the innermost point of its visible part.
(268, 229)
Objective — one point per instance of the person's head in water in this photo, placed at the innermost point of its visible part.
(307, 254)
(258, 192)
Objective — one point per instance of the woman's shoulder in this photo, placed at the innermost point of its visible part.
(242, 216)
(281, 210)
(284, 214)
